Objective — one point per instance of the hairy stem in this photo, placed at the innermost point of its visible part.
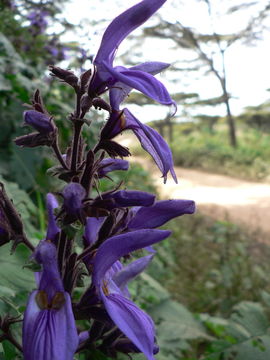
(75, 144)
(58, 154)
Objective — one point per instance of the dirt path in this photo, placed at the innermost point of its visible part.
(222, 197)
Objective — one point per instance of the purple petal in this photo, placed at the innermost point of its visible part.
(39, 121)
(49, 334)
(114, 126)
(91, 230)
(129, 272)
(73, 195)
(108, 165)
(125, 198)
(117, 246)
(120, 90)
(53, 229)
(83, 336)
(132, 321)
(145, 83)
(159, 213)
(123, 25)
(50, 279)
(153, 143)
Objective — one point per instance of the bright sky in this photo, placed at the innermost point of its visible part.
(248, 68)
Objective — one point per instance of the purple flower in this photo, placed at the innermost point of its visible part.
(108, 165)
(107, 76)
(39, 121)
(124, 198)
(120, 90)
(53, 229)
(73, 194)
(149, 138)
(159, 213)
(38, 21)
(131, 320)
(91, 230)
(49, 329)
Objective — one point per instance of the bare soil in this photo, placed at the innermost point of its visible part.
(222, 197)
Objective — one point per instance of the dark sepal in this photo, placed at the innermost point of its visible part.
(35, 139)
(11, 225)
(113, 148)
(99, 103)
(37, 103)
(66, 76)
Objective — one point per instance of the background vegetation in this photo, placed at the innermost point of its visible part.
(208, 287)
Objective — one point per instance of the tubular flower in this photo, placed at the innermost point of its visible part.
(39, 121)
(107, 165)
(49, 330)
(151, 141)
(106, 75)
(132, 321)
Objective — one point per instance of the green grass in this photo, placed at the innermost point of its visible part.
(197, 148)
(209, 266)
(211, 152)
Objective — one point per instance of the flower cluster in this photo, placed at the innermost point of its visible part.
(114, 224)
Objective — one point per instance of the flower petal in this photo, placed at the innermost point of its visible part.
(91, 229)
(73, 194)
(132, 321)
(123, 25)
(145, 83)
(49, 334)
(159, 213)
(50, 279)
(129, 272)
(125, 198)
(117, 246)
(109, 164)
(38, 121)
(53, 229)
(120, 90)
(153, 143)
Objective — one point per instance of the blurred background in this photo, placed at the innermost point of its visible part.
(208, 288)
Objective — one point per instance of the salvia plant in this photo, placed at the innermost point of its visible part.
(113, 224)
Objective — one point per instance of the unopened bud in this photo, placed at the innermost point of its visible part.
(39, 121)
(35, 139)
(67, 76)
(101, 104)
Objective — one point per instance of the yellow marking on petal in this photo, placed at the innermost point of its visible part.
(42, 300)
(105, 288)
(122, 120)
(58, 301)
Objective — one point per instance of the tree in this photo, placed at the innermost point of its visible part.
(210, 48)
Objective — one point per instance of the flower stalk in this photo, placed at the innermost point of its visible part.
(91, 233)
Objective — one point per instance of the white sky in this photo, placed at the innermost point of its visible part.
(248, 68)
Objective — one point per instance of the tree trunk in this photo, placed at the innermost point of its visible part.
(231, 124)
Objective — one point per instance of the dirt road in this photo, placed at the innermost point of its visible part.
(222, 197)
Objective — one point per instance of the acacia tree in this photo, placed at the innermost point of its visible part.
(210, 48)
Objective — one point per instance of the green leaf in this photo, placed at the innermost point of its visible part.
(13, 274)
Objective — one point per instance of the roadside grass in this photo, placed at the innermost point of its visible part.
(209, 266)
(196, 147)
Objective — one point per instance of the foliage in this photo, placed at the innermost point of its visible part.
(257, 117)
(211, 152)
(210, 266)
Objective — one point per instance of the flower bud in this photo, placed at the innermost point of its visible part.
(39, 121)
(35, 139)
(67, 76)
